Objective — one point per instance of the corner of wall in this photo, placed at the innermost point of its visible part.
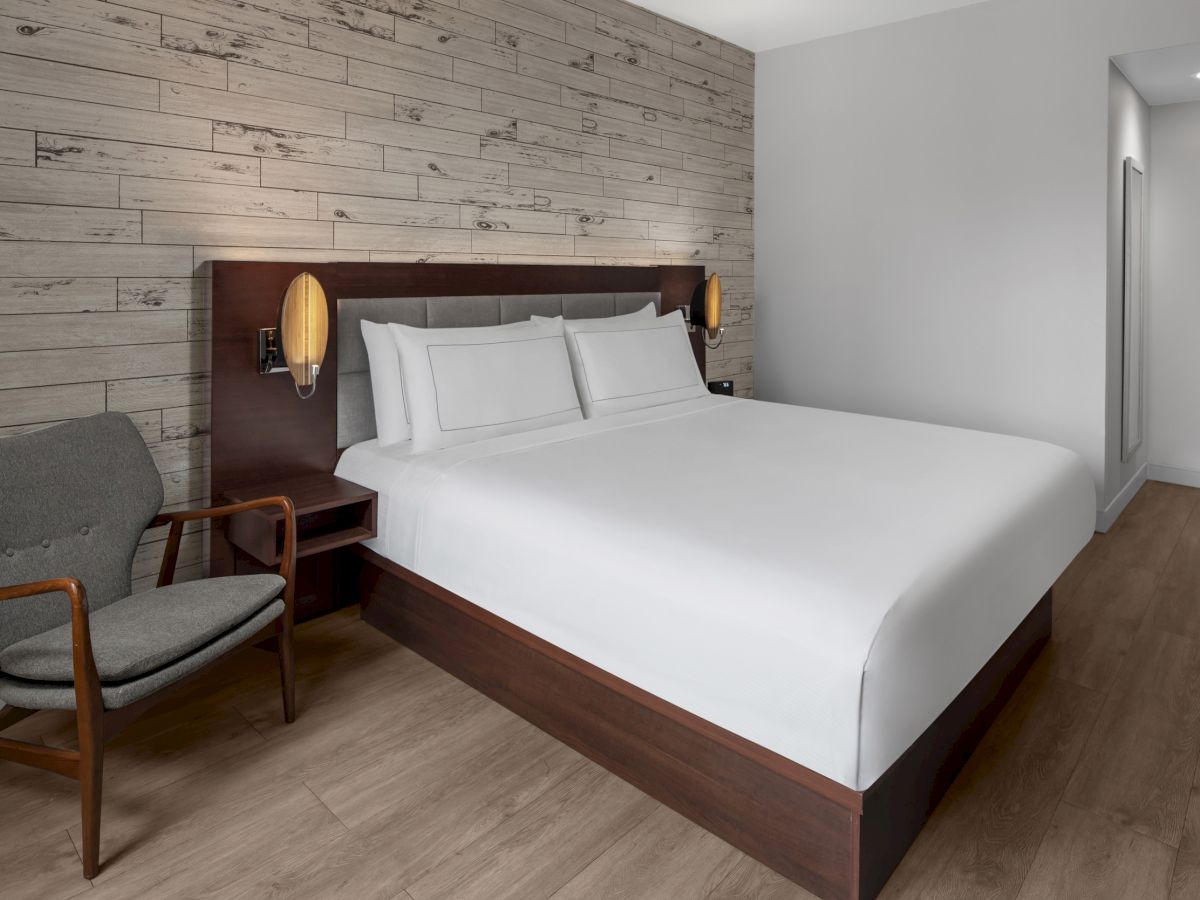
(1108, 515)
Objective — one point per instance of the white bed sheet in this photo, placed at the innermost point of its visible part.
(825, 593)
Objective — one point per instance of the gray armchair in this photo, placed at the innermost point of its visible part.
(74, 502)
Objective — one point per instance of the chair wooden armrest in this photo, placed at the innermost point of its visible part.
(177, 520)
(87, 680)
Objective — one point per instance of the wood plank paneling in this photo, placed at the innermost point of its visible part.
(51, 403)
(305, 89)
(364, 49)
(235, 231)
(98, 51)
(234, 137)
(93, 16)
(56, 151)
(233, 15)
(61, 258)
(415, 137)
(19, 184)
(231, 200)
(57, 295)
(353, 236)
(446, 17)
(444, 165)
(372, 210)
(337, 179)
(140, 139)
(98, 120)
(16, 147)
(41, 76)
(28, 368)
(130, 394)
(50, 331)
(237, 46)
(39, 222)
(259, 111)
(161, 293)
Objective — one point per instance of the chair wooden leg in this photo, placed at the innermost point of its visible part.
(91, 783)
(287, 669)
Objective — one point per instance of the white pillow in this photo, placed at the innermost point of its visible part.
(646, 312)
(469, 384)
(392, 423)
(620, 364)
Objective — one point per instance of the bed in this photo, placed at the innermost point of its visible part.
(797, 652)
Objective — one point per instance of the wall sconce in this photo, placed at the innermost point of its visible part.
(705, 312)
(300, 336)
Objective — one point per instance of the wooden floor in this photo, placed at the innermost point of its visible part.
(398, 782)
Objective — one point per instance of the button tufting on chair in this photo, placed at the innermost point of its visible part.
(83, 530)
(46, 542)
(10, 552)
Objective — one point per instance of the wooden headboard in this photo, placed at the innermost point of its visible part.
(261, 429)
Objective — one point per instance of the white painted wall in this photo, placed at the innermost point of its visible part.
(932, 215)
(1128, 135)
(1174, 292)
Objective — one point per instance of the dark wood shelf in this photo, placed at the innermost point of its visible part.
(331, 541)
(330, 513)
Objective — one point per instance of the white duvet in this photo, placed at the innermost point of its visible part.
(820, 583)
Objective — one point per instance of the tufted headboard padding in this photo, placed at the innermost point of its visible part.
(355, 409)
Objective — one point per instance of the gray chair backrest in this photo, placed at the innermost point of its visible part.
(74, 501)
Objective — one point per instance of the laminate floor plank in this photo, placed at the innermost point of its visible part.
(751, 880)
(983, 837)
(398, 782)
(1185, 880)
(34, 803)
(360, 790)
(1139, 763)
(1176, 606)
(41, 868)
(147, 759)
(544, 845)
(190, 819)
(256, 837)
(1069, 580)
(378, 676)
(1093, 634)
(1086, 857)
(663, 857)
(1147, 531)
(434, 819)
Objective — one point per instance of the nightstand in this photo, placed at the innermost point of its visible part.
(331, 513)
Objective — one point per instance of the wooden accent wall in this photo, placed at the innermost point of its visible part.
(141, 139)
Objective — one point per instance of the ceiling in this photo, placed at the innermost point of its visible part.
(1164, 76)
(765, 24)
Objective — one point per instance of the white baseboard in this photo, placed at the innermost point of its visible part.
(1174, 475)
(1107, 516)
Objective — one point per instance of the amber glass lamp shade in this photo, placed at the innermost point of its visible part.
(706, 311)
(712, 306)
(304, 331)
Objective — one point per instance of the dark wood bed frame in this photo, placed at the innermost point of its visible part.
(830, 839)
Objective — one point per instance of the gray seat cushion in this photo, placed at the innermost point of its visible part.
(139, 634)
(48, 695)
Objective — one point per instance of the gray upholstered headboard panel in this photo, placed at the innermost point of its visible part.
(355, 410)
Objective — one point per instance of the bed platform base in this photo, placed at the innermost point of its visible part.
(838, 843)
